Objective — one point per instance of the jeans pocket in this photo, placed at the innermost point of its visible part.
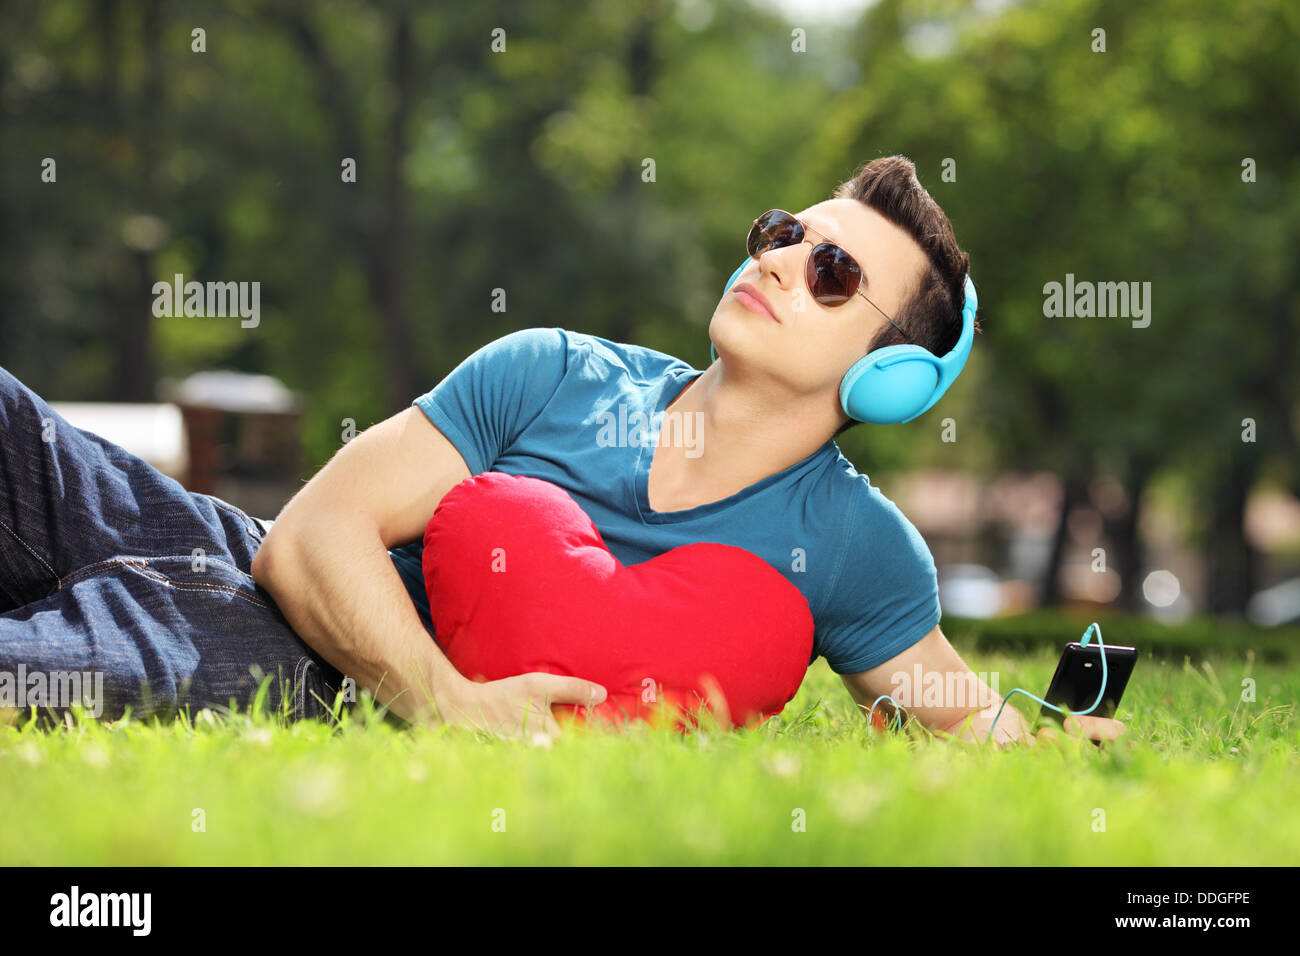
(236, 633)
(314, 689)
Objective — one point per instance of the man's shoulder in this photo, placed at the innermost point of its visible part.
(638, 361)
(852, 486)
(866, 511)
(557, 351)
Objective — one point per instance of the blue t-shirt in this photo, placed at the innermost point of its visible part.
(585, 413)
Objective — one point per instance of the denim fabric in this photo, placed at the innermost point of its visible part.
(108, 565)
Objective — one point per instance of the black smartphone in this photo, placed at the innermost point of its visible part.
(1078, 679)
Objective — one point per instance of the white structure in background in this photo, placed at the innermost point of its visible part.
(155, 433)
(228, 434)
(233, 392)
(1279, 604)
(970, 590)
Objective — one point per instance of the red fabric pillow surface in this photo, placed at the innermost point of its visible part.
(519, 580)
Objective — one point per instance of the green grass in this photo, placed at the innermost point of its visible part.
(1202, 778)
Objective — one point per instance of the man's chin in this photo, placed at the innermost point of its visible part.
(747, 346)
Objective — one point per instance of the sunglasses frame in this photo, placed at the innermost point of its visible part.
(809, 270)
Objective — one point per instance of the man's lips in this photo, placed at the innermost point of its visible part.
(754, 300)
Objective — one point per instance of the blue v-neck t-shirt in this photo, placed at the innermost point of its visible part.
(585, 413)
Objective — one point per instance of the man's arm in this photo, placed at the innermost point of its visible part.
(326, 563)
(961, 695)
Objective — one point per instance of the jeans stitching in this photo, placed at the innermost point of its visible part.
(208, 559)
(140, 566)
(120, 560)
(236, 513)
(87, 570)
(30, 549)
(300, 682)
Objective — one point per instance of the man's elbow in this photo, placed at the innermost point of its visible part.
(299, 539)
(268, 565)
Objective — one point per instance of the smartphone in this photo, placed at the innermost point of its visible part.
(1078, 678)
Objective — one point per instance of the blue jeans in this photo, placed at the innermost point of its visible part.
(108, 567)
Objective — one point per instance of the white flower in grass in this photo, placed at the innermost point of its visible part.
(94, 755)
(318, 791)
(782, 765)
(854, 802)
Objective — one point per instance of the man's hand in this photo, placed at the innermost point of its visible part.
(516, 706)
(1085, 726)
(957, 718)
(1012, 729)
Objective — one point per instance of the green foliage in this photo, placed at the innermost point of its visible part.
(522, 171)
(1195, 635)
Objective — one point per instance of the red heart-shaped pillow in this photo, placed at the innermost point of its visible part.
(520, 580)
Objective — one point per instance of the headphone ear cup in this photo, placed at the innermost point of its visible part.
(890, 386)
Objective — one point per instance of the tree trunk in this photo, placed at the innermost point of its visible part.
(388, 268)
(630, 191)
(382, 245)
(1231, 563)
(1130, 556)
(1072, 492)
(127, 289)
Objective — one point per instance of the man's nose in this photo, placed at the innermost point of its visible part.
(790, 259)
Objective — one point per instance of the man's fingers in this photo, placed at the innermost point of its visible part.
(521, 707)
(1095, 728)
(1082, 728)
(539, 719)
(498, 718)
(564, 689)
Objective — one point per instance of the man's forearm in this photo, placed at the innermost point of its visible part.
(337, 586)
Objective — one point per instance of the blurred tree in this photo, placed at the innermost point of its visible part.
(600, 172)
(1123, 165)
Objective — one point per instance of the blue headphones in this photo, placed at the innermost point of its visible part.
(897, 383)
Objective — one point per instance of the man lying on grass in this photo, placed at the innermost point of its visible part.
(768, 476)
(104, 578)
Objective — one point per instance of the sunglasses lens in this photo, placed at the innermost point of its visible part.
(833, 275)
(773, 230)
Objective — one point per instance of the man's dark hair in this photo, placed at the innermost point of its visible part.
(931, 313)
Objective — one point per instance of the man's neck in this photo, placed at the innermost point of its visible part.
(741, 435)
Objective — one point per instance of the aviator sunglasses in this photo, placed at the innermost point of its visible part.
(832, 275)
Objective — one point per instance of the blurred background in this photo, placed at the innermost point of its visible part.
(603, 164)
